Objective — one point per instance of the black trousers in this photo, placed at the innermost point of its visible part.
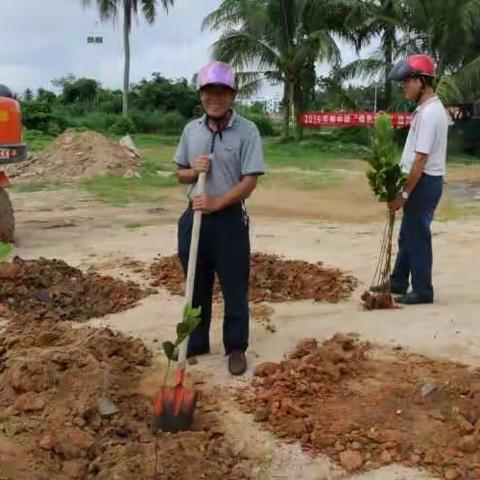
(224, 249)
(415, 256)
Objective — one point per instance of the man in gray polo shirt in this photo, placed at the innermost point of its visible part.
(229, 148)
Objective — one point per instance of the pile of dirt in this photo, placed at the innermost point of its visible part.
(73, 406)
(366, 407)
(80, 155)
(44, 289)
(272, 279)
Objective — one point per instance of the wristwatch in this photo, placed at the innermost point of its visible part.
(404, 195)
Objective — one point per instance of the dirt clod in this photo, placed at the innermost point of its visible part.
(451, 474)
(350, 460)
(75, 469)
(261, 414)
(377, 301)
(267, 369)
(30, 402)
(463, 425)
(469, 443)
(386, 457)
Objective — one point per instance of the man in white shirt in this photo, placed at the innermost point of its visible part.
(424, 161)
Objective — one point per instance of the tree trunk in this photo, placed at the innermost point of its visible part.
(390, 39)
(292, 104)
(286, 110)
(297, 101)
(126, 45)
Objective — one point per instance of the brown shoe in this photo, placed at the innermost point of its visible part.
(237, 363)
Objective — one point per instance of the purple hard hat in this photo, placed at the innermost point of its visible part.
(216, 73)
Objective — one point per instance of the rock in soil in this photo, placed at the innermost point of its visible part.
(363, 406)
(53, 387)
(32, 290)
(427, 389)
(272, 279)
(107, 408)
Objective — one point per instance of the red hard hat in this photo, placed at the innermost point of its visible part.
(413, 66)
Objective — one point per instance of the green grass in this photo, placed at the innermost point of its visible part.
(133, 226)
(37, 140)
(6, 250)
(316, 153)
(156, 174)
(463, 159)
(305, 156)
(38, 186)
(450, 211)
(149, 140)
(119, 191)
(304, 181)
(157, 171)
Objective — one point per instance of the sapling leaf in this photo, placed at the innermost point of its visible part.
(170, 350)
(191, 313)
(191, 320)
(182, 332)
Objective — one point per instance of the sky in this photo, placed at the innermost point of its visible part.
(48, 43)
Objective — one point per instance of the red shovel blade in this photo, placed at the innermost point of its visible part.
(174, 407)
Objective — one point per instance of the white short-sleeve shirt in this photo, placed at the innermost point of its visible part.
(428, 134)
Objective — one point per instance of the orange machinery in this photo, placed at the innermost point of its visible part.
(12, 150)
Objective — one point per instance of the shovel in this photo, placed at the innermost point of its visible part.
(175, 406)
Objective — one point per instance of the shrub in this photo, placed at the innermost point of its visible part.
(123, 126)
(263, 123)
(173, 123)
(99, 122)
(147, 122)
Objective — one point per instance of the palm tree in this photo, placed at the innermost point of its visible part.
(385, 21)
(109, 10)
(447, 30)
(279, 41)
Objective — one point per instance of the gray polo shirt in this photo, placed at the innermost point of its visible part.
(237, 153)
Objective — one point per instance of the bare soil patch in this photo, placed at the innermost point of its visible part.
(72, 407)
(45, 289)
(366, 407)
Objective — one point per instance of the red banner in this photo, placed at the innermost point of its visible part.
(351, 119)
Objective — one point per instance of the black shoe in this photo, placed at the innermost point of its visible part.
(237, 363)
(388, 288)
(413, 298)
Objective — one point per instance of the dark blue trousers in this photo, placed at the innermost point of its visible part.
(224, 249)
(415, 256)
